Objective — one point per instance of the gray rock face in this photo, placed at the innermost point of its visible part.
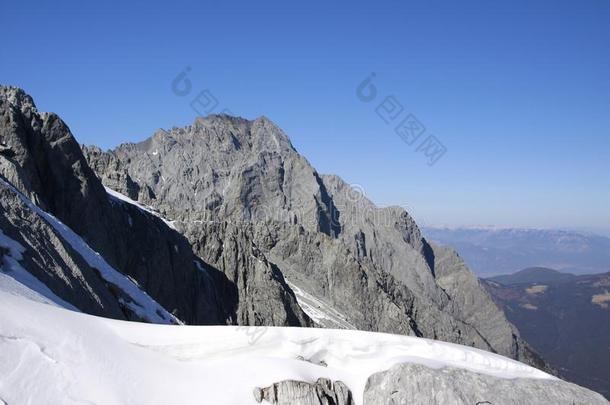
(257, 289)
(46, 164)
(322, 392)
(471, 302)
(407, 384)
(225, 175)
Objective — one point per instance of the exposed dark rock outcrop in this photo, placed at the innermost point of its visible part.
(53, 261)
(322, 392)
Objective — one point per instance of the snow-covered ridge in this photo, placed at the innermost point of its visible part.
(116, 196)
(51, 355)
(141, 303)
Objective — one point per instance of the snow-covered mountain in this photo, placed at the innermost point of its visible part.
(224, 223)
(211, 220)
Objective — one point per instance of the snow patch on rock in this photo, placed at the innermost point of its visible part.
(319, 311)
(116, 196)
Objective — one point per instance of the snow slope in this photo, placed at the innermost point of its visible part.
(50, 355)
(319, 311)
(140, 302)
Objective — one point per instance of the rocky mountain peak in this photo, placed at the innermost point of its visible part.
(230, 224)
(259, 136)
(17, 97)
(370, 266)
(47, 166)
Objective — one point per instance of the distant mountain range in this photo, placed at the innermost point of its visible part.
(564, 317)
(490, 252)
(533, 275)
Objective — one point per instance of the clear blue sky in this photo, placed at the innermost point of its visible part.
(518, 92)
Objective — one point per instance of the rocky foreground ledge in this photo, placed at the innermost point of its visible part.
(322, 391)
(417, 384)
